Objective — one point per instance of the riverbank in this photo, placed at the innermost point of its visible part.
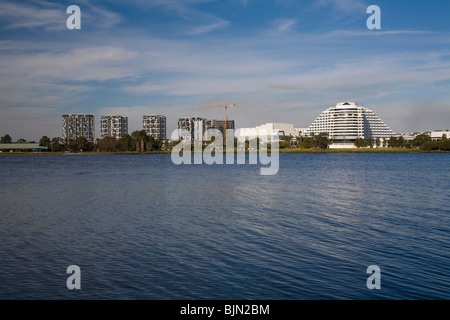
(289, 150)
(355, 150)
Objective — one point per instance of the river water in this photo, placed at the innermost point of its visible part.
(141, 227)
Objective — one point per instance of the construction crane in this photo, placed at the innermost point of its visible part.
(224, 106)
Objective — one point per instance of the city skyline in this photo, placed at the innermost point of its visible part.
(280, 61)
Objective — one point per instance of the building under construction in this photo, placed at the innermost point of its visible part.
(194, 128)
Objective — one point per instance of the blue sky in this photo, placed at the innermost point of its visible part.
(279, 60)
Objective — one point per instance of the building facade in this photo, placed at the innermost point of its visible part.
(78, 125)
(113, 126)
(191, 128)
(219, 125)
(268, 129)
(347, 122)
(437, 135)
(155, 126)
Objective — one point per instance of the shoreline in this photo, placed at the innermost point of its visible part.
(292, 150)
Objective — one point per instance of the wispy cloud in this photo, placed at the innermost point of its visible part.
(52, 16)
(84, 64)
(274, 69)
(51, 78)
(197, 30)
(200, 21)
(27, 15)
(283, 25)
(343, 6)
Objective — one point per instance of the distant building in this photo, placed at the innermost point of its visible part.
(407, 137)
(21, 147)
(300, 131)
(155, 126)
(78, 125)
(281, 129)
(191, 128)
(437, 135)
(220, 125)
(113, 126)
(346, 122)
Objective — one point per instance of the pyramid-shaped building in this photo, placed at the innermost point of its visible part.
(346, 122)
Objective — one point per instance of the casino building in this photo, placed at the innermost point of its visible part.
(346, 122)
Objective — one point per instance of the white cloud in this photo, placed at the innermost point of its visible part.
(52, 16)
(220, 24)
(344, 6)
(283, 25)
(23, 15)
(199, 21)
(53, 77)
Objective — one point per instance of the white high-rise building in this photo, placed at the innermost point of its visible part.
(78, 125)
(346, 122)
(155, 126)
(113, 126)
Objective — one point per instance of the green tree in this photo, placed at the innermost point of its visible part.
(140, 138)
(361, 143)
(45, 142)
(420, 140)
(443, 145)
(71, 145)
(125, 143)
(370, 142)
(81, 144)
(321, 140)
(153, 144)
(21, 141)
(57, 144)
(377, 142)
(108, 144)
(401, 142)
(6, 139)
(285, 142)
(393, 142)
(306, 143)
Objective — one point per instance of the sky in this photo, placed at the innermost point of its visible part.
(278, 60)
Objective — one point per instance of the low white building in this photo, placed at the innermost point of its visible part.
(437, 135)
(300, 132)
(282, 129)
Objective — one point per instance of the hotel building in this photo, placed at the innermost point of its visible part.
(346, 122)
(78, 125)
(113, 126)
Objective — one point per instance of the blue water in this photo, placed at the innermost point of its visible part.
(140, 227)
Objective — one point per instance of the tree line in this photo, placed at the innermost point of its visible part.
(319, 141)
(138, 141)
(422, 141)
